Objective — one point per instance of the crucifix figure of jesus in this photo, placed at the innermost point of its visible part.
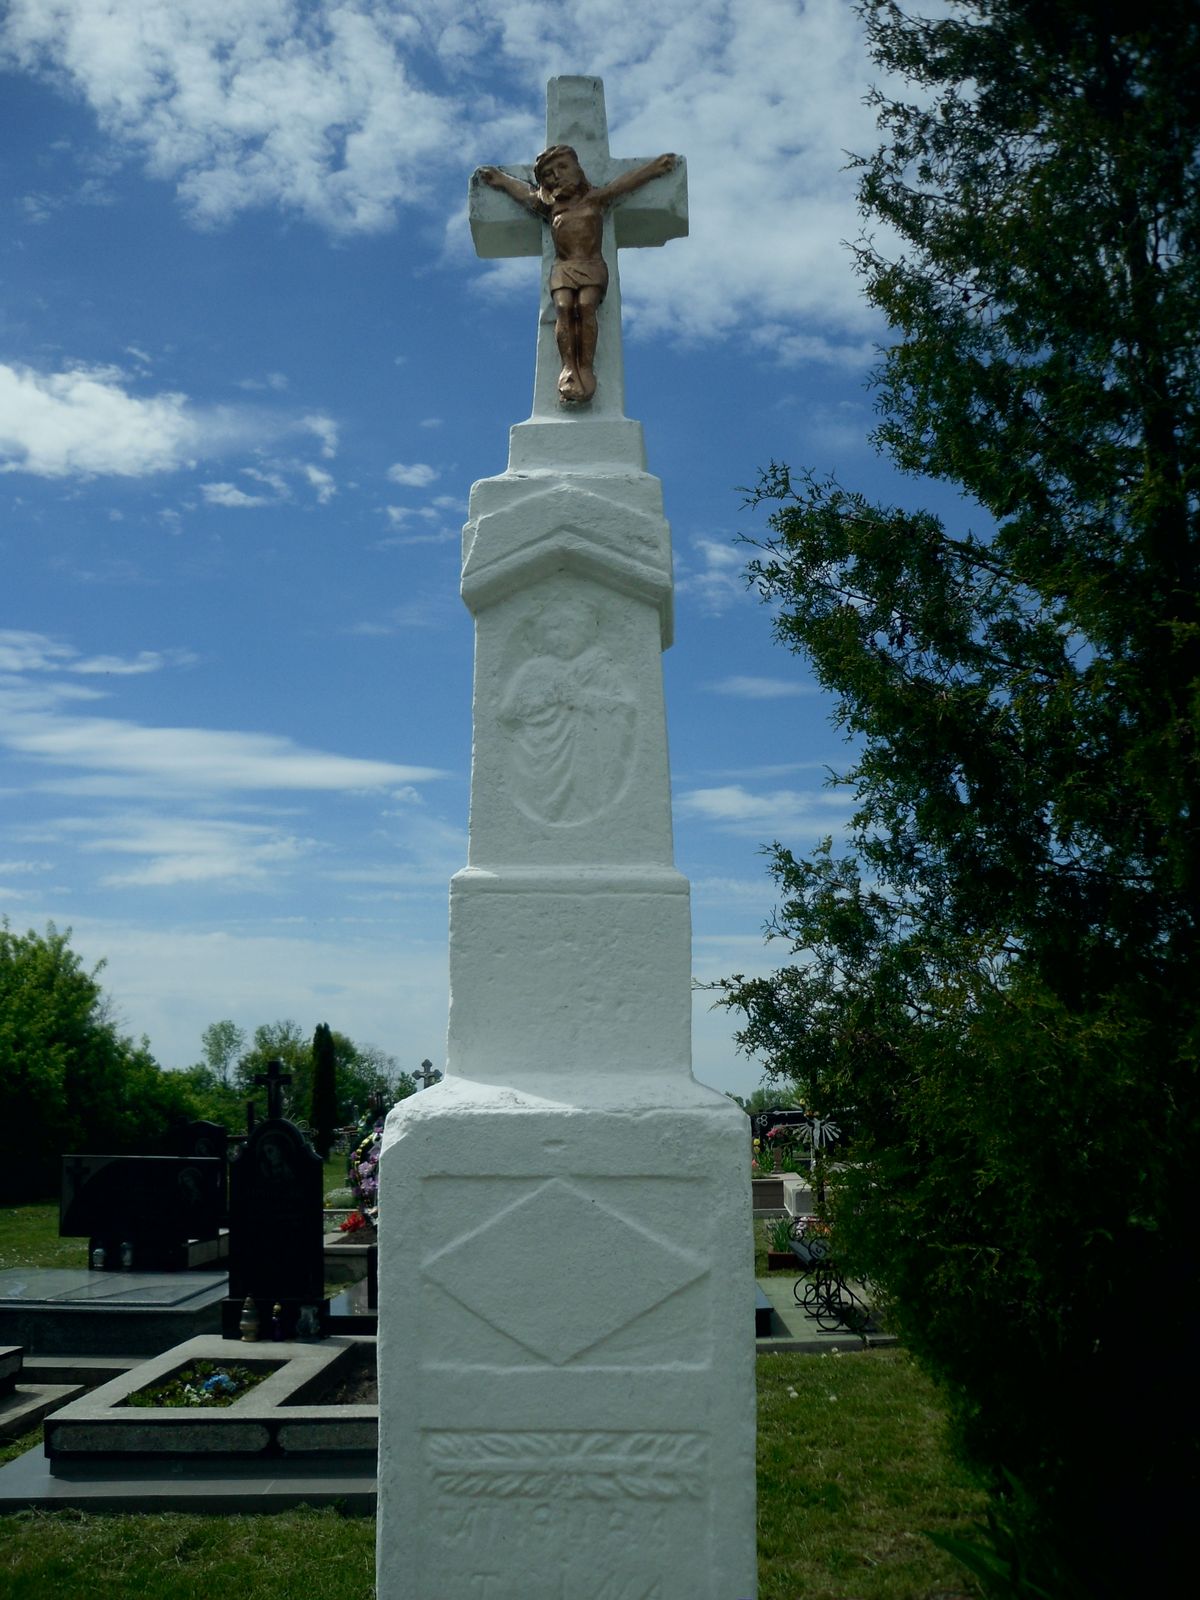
(584, 221)
(574, 208)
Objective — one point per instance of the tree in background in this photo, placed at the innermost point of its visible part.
(69, 1081)
(221, 1044)
(362, 1073)
(999, 975)
(323, 1116)
(279, 1041)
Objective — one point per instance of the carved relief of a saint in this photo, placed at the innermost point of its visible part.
(572, 719)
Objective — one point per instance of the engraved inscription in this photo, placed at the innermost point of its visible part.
(494, 1586)
(555, 1466)
(571, 717)
(588, 1511)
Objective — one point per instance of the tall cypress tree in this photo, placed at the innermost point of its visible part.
(324, 1090)
(998, 983)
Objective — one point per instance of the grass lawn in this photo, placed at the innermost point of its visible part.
(852, 1471)
(29, 1233)
(29, 1238)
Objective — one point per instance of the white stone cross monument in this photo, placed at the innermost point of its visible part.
(566, 1345)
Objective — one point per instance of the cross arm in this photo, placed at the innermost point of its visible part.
(634, 178)
(499, 226)
(652, 212)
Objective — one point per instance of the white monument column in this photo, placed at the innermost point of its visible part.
(566, 1345)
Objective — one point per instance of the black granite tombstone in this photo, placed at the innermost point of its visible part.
(141, 1213)
(796, 1121)
(276, 1224)
(201, 1138)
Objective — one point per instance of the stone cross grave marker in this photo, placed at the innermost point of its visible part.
(566, 1345)
(638, 212)
(274, 1079)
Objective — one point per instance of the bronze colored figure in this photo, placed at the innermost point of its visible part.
(579, 277)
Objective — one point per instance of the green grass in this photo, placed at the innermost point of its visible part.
(295, 1555)
(29, 1238)
(29, 1233)
(852, 1469)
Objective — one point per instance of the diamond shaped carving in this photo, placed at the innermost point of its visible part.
(559, 1272)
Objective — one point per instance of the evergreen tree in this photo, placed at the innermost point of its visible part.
(998, 982)
(324, 1090)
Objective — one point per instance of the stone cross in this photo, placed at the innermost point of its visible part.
(274, 1079)
(575, 116)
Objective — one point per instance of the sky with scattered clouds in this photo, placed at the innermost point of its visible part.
(249, 368)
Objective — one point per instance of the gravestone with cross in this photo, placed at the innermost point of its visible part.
(566, 1355)
(276, 1219)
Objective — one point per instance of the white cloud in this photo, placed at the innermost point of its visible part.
(22, 651)
(322, 484)
(710, 573)
(317, 108)
(85, 421)
(376, 981)
(326, 430)
(175, 850)
(39, 719)
(750, 688)
(195, 759)
(418, 476)
(228, 494)
(273, 380)
(776, 813)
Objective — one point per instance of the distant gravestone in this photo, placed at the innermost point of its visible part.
(779, 1117)
(141, 1213)
(202, 1138)
(276, 1221)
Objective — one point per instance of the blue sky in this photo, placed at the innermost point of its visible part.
(249, 368)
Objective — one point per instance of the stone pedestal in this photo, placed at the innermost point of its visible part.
(565, 1347)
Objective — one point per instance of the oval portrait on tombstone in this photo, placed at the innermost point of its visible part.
(569, 713)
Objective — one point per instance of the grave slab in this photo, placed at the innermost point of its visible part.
(200, 1487)
(283, 1417)
(66, 1310)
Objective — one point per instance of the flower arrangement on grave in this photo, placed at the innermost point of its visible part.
(762, 1159)
(810, 1226)
(353, 1223)
(200, 1384)
(363, 1173)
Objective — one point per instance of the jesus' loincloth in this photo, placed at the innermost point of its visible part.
(590, 273)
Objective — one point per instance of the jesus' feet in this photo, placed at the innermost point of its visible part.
(576, 385)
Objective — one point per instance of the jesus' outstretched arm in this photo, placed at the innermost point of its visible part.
(629, 181)
(523, 193)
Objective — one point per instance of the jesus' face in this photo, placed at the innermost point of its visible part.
(561, 175)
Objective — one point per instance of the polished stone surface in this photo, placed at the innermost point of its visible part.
(79, 1286)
